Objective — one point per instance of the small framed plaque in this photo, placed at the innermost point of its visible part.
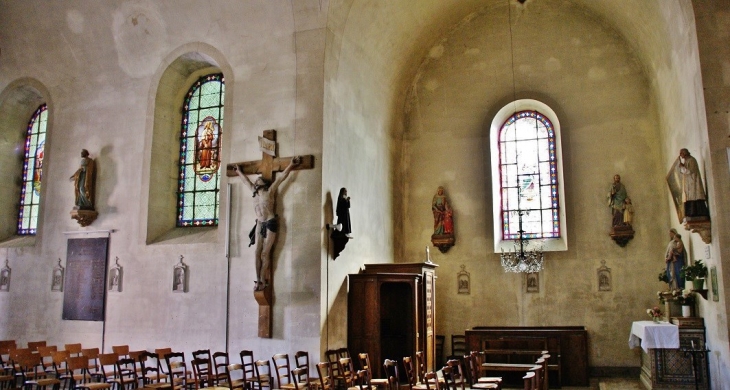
(180, 277)
(463, 280)
(57, 279)
(115, 277)
(5, 278)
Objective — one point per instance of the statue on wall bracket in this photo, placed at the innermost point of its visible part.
(622, 213)
(84, 191)
(443, 221)
(342, 230)
(688, 193)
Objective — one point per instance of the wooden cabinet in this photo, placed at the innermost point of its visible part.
(391, 312)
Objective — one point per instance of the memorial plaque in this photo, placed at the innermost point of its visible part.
(85, 279)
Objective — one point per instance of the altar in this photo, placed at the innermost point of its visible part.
(665, 364)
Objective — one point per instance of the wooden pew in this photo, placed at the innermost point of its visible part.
(567, 345)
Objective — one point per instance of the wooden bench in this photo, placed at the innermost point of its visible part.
(568, 364)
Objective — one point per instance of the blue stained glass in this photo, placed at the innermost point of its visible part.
(30, 192)
(200, 146)
(527, 161)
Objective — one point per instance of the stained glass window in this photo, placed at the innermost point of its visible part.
(200, 145)
(528, 177)
(30, 193)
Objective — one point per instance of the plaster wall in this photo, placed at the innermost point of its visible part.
(102, 64)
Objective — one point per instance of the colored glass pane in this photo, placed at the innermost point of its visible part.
(30, 191)
(199, 159)
(529, 181)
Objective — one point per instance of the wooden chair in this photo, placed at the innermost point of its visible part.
(220, 363)
(232, 380)
(177, 370)
(262, 380)
(61, 369)
(73, 349)
(92, 357)
(325, 376)
(46, 355)
(127, 374)
(410, 374)
(33, 345)
(122, 351)
(134, 355)
(365, 365)
(390, 367)
(458, 346)
(108, 368)
(300, 378)
(455, 378)
(31, 374)
(203, 372)
(203, 354)
(248, 364)
(333, 358)
(301, 360)
(78, 370)
(363, 380)
(150, 374)
(348, 376)
(439, 352)
(432, 381)
(161, 365)
(283, 371)
(475, 382)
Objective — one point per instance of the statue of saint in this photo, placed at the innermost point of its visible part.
(675, 258)
(616, 201)
(693, 191)
(264, 198)
(84, 181)
(343, 212)
(443, 222)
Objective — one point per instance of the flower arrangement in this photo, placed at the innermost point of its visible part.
(663, 276)
(684, 297)
(655, 313)
(698, 270)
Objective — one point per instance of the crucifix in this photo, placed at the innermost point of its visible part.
(264, 232)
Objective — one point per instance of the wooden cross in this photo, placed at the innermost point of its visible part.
(267, 167)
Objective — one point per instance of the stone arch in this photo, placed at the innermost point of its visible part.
(18, 101)
(179, 70)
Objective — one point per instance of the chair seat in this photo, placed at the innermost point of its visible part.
(485, 386)
(287, 386)
(490, 379)
(44, 382)
(94, 386)
(379, 382)
(157, 386)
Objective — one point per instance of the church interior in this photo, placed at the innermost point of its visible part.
(380, 98)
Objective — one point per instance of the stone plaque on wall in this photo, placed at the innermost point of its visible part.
(85, 278)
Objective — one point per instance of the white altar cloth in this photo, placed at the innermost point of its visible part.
(649, 334)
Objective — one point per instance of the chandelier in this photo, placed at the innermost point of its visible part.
(520, 259)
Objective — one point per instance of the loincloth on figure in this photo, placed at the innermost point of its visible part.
(271, 225)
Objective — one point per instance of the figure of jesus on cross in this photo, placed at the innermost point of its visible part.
(264, 233)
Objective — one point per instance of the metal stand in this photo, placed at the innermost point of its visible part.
(692, 353)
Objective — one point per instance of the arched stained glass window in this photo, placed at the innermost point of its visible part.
(528, 177)
(200, 146)
(30, 193)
